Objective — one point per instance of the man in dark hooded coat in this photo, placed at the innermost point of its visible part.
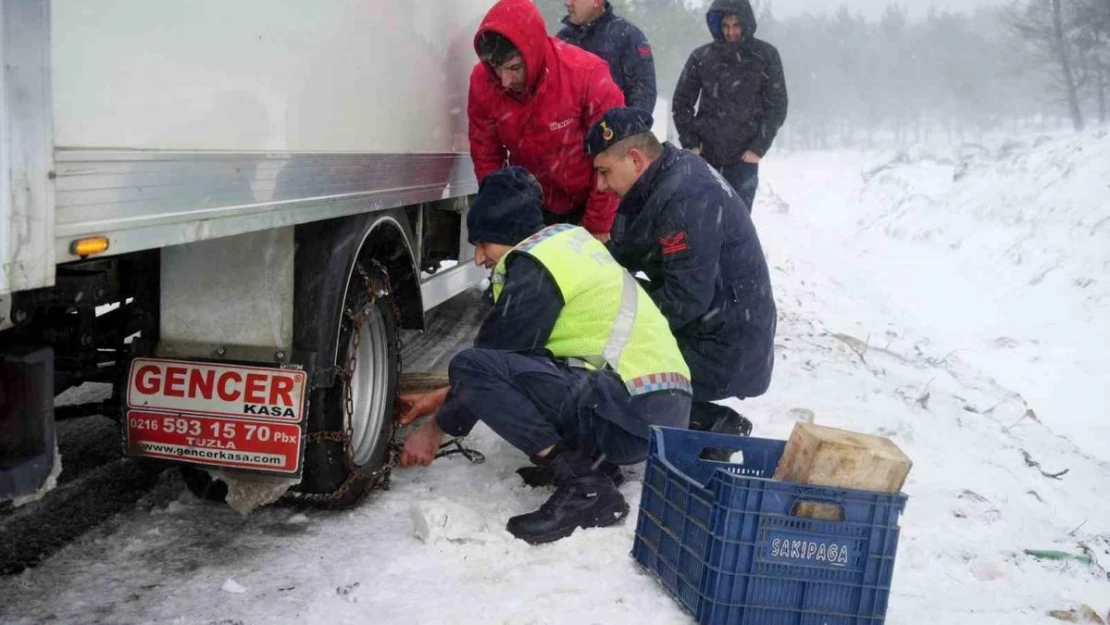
(738, 87)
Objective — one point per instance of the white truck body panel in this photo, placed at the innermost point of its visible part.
(364, 76)
(26, 151)
(181, 122)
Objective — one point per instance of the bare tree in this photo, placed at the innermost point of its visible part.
(1093, 22)
(1061, 47)
(1042, 25)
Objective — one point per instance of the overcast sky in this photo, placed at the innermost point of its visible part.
(873, 8)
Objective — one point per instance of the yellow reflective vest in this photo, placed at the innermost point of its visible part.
(608, 320)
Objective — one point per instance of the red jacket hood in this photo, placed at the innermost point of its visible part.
(521, 23)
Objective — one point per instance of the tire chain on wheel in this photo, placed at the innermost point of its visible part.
(380, 477)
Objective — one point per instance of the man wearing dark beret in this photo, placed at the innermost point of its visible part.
(685, 227)
(572, 366)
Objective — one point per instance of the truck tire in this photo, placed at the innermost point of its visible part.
(337, 473)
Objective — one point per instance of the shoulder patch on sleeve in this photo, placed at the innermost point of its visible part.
(674, 244)
(644, 51)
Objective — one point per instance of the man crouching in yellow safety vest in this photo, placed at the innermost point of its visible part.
(571, 366)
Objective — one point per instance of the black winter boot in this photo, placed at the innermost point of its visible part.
(709, 417)
(584, 497)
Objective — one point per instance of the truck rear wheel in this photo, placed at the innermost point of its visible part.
(350, 423)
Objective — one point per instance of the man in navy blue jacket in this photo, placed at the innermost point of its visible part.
(591, 25)
(686, 228)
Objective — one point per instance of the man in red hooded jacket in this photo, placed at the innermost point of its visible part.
(532, 99)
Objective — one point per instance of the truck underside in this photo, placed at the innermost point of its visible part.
(290, 303)
(229, 228)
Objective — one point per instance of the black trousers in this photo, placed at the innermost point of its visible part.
(534, 402)
(744, 178)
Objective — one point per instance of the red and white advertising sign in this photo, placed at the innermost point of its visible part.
(228, 416)
(273, 447)
(228, 391)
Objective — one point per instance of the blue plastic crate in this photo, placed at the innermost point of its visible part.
(723, 539)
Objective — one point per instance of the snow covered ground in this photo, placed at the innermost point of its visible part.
(956, 302)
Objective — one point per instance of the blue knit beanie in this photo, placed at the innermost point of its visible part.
(509, 208)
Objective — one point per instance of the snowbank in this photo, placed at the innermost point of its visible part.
(1000, 255)
(958, 304)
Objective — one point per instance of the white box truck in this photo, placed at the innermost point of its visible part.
(227, 209)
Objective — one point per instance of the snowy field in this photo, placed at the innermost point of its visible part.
(955, 301)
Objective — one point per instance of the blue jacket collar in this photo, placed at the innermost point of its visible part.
(586, 29)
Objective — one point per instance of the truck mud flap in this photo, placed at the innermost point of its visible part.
(27, 448)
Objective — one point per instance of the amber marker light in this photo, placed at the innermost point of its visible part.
(89, 247)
